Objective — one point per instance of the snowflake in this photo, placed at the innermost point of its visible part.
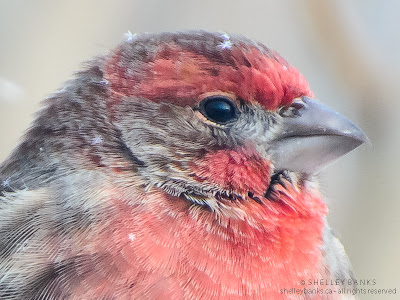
(97, 140)
(227, 44)
(6, 183)
(131, 237)
(129, 36)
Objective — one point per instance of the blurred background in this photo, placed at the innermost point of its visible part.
(347, 50)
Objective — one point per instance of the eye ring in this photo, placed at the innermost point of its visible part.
(219, 109)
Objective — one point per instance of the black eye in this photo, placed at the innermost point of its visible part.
(218, 109)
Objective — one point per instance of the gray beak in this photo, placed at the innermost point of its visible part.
(311, 136)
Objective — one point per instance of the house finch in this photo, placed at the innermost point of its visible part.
(178, 166)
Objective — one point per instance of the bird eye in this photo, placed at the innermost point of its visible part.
(219, 109)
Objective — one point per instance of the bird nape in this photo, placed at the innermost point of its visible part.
(178, 166)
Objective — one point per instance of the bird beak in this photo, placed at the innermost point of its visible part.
(312, 135)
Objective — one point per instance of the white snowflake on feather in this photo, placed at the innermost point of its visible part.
(97, 140)
(6, 183)
(131, 237)
(129, 36)
(227, 44)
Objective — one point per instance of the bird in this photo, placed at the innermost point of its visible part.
(180, 165)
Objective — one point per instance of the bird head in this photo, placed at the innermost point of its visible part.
(211, 114)
(216, 118)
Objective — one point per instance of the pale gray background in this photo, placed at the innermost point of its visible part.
(348, 51)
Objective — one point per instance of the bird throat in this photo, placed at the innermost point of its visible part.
(196, 252)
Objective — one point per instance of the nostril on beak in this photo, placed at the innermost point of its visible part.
(299, 104)
(292, 110)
